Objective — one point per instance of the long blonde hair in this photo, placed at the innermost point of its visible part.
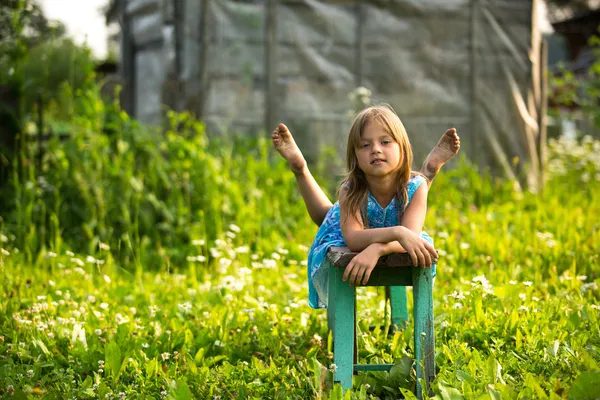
(354, 190)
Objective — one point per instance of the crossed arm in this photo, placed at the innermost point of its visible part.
(375, 243)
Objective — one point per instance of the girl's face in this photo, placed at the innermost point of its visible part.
(378, 154)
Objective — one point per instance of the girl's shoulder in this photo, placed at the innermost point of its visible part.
(413, 184)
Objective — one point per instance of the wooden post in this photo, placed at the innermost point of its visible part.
(424, 334)
(127, 61)
(178, 25)
(202, 62)
(398, 307)
(270, 114)
(475, 140)
(343, 296)
(360, 19)
(543, 110)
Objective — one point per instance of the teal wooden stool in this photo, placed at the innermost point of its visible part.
(396, 272)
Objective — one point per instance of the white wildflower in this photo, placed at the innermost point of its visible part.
(106, 278)
(185, 307)
(234, 228)
(242, 250)
(77, 261)
(121, 319)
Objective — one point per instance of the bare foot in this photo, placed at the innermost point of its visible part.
(446, 148)
(286, 146)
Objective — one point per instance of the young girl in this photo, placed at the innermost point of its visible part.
(380, 192)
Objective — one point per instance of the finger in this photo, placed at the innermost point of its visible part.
(431, 250)
(357, 275)
(421, 258)
(413, 256)
(426, 257)
(352, 277)
(348, 270)
(367, 276)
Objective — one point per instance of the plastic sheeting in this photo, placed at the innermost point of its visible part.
(469, 64)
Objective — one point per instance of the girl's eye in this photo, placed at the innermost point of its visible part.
(365, 145)
(385, 142)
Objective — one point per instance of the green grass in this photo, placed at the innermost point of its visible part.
(145, 266)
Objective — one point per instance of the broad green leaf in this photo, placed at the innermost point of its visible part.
(463, 376)
(112, 356)
(183, 392)
(586, 386)
(449, 393)
(408, 395)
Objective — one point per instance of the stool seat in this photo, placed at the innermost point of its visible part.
(394, 271)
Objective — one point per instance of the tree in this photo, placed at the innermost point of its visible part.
(562, 9)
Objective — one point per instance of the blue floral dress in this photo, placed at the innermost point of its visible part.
(330, 234)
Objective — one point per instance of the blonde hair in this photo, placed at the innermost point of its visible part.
(354, 191)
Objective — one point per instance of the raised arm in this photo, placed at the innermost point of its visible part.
(317, 203)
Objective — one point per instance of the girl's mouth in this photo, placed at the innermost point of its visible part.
(377, 162)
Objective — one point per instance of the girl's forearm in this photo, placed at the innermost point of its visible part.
(317, 203)
(390, 248)
(359, 240)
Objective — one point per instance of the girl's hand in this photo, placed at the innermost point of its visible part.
(360, 267)
(421, 251)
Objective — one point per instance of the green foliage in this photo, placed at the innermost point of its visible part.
(517, 303)
(46, 70)
(578, 92)
(149, 195)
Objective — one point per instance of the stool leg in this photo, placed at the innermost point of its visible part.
(331, 294)
(343, 298)
(399, 307)
(423, 317)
